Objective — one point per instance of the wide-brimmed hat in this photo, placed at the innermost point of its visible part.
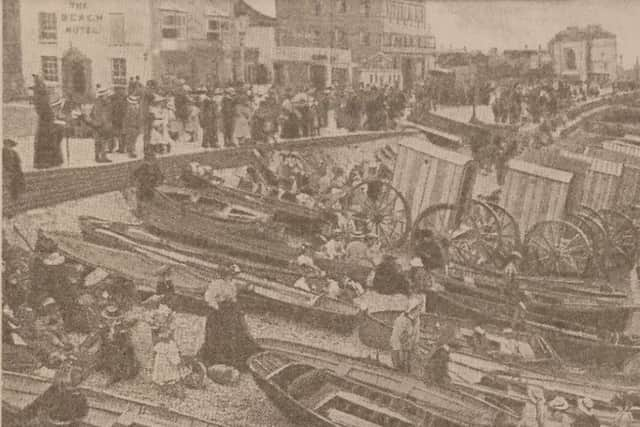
(416, 262)
(479, 330)
(53, 258)
(586, 405)
(56, 101)
(102, 91)
(9, 143)
(535, 394)
(559, 403)
(133, 99)
(49, 302)
(111, 312)
(235, 269)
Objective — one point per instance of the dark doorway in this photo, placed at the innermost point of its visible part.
(76, 75)
(318, 76)
(407, 73)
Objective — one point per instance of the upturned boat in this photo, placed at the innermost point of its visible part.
(25, 399)
(191, 278)
(347, 392)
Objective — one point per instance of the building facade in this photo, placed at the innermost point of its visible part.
(585, 54)
(323, 42)
(77, 44)
(12, 79)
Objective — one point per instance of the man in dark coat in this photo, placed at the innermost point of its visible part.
(228, 110)
(46, 153)
(131, 124)
(148, 175)
(209, 123)
(118, 112)
(227, 339)
(101, 121)
(437, 367)
(117, 355)
(12, 176)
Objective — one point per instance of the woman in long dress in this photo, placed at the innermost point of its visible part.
(241, 131)
(47, 152)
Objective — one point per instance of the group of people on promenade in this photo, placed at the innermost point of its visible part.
(170, 112)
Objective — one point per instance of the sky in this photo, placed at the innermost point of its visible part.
(510, 24)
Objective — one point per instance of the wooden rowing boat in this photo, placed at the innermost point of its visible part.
(25, 397)
(185, 223)
(192, 276)
(572, 342)
(512, 348)
(601, 310)
(313, 394)
(292, 214)
(121, 235)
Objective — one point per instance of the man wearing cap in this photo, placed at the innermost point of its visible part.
(209, 122)
(118, 112)
(12, 176)
(585, 417)
(228, 111)
(100, 121)
(405, 336)
(148, 175)
(131, 124)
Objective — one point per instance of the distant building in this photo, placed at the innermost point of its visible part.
(259, 41)
(585, 54)
(322, 42)
(12, 79)
(76, 44)
(466, 67)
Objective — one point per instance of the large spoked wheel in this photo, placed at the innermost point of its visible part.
(469, 237)
(377, 207)
(622, 240)
(594, 230)
(509, 230)
(557, 248)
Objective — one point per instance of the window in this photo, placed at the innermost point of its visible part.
(216, 29)
(365, 38)
(339, 38)
(341, 5)
(570, 59)
(119, 71)
(48, 27)
(317, 7)
(174, 25)
(50, 68)
(116, 24)
(365, 7)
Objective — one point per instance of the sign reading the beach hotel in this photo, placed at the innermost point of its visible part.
(78, 18)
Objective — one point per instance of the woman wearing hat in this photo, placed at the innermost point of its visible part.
(227, 339)
(117, 355)
(241, 130)
(557, 415)
(44, 149)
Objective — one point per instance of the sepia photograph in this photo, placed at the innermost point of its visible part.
(320, 213)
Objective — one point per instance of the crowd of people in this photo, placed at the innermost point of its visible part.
(169, 112)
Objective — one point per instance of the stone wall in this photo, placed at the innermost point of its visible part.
(50, 187)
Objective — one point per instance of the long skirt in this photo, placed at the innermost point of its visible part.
(47, 152)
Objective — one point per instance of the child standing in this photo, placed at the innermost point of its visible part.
(168, 369)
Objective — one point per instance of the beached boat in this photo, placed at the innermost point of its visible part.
(571, 341)
(505, 346)
(185, 222)
(349, 396)
(294, 215)
(26, 397)
(591, 308)
(191, 277)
